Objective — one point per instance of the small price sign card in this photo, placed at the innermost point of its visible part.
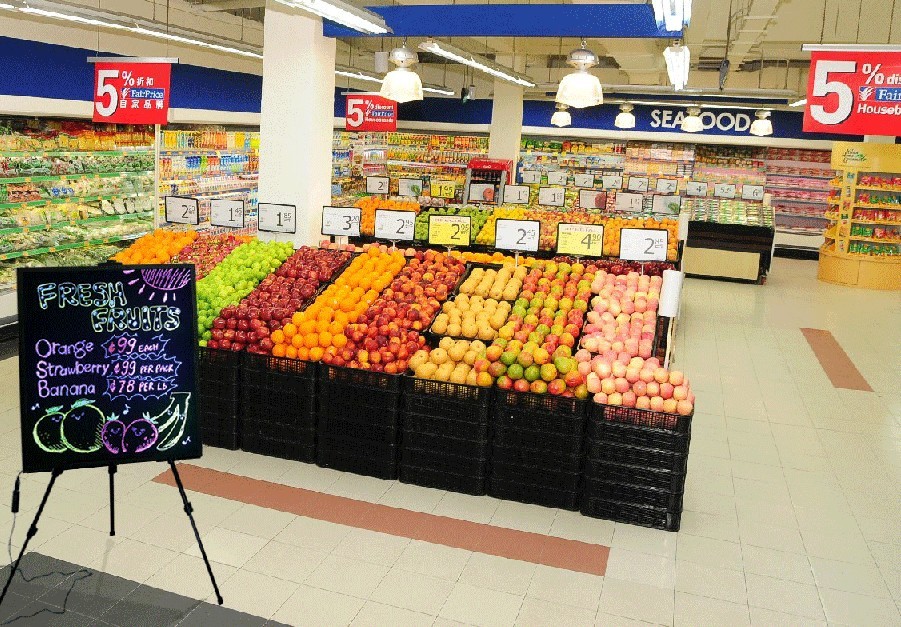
(627, 202)
(612, 181)
(752, 192)
(638, 183)
(409, 187)
(557, 177)
(580, 240)
(532, 177)
(182, 210)
(724, 190)
(443, 189)
(275, 218)
(394, 225)
(667, 186)
(227, 213)
(551, 196)
(377, 184)
(449, 230)
(584, 180)
(341, 221)
(516, 194)
(517, 235)
(643, 244)
(696, 188)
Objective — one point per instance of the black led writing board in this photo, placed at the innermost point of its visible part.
(106, 366)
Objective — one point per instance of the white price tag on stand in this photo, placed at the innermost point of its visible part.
(643, 244)
(557, 177)
(668, 205)
(724, 190)
(530, 176)
(275, 218)
(627, 202)
(696, 188)
(752, 192)
(517, 235)
(612, 181)
(377, 185)
(410, 188)
(395, 225)
(341, 221)
(584, 180)
(228, 213)
(551, 196)
(182, 210)
(638, 184)
(481, 192)
(592, 199)
(667, 186)
(516, 194)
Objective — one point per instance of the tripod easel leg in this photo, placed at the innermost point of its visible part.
(112, 500)
(32, 530)
(189, 511)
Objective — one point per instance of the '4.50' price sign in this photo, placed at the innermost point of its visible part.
(131, 93)
(854, 93)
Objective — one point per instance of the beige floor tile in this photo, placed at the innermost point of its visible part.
(258, 521)
(847, 608)
(479, 606)
(413, 591)
(653, 570)
(310, 477)
(318, 608)
(412, 497)
(644, 540)
(637, 601)
(379, 615)
(772, 537)
(372, 546)
(228, 547)
(435, 560)
(848, 577)
(694, 610)
(779, 564)
(610, 620)
(348, 576)
(567, 587)
(761, 617)
(710, 526)
(538, 613)
(285, 561)
(575, 526)
(310, 533)
(709, 552)
(78, 545)
(784, 596)
(255, 593)
(706, 581)
(360, 487)
(523, 517)
(478, 509)
(187, 575)
(498, 573)
(133, 560)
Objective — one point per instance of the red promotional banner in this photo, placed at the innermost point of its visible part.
(854, 93)
(370, 112)
(131, 93)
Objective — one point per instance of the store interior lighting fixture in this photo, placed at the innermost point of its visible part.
(625, 118)
(799, 103)
(452, 53)
(561, 116)
(343, 13)
(581, 88)
(402, 84)
(673, 15)
(678, 59)
(762, 126)
(692, 123)
(355, 74)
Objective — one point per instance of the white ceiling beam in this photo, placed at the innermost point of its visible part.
(231, 5)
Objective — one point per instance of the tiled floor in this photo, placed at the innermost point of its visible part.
(791, 506)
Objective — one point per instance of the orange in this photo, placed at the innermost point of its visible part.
(278, 350)
(321, 326)
(339, 340)
(278, 336)
(316, 353)
(311, 340)
(291, 352)
(303, 353)
(309, 326)
(325, 339)
(335, 327)
(297, 318)
(289, 330)
(297, 341)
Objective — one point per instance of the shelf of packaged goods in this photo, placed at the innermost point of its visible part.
(890, 207)
(888, 190)
(806, 201)
(184, 179)
(418, 164)
(799, 175)
(77, 153)
(70, 246)
(93, 220)
(830, 234)
(791, 163)
(819, 216)
(214, 152)
(797, 230)
(74, 177)
(833, 201)
(653, 160)
(68, 200)
(831, 216)
(570, 155)
(877, 222)
(795, 187)
(874, 240)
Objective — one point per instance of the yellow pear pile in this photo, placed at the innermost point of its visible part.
(471, 317)
(501, 284)
(453, 361)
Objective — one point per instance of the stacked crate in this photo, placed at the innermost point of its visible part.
(635, 466)
(445, 440)
(357, 421)
(537, 448)
(278, 407)
(218, 387)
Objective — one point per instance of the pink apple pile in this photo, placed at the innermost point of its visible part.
(636, 382)
(623, 316)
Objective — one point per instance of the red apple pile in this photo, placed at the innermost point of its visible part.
(636, 382)
(621, 266)
(623, 317)
(387, 334)
(272, 304)
(206, 252)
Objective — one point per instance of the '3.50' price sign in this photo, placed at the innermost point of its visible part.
(854, 93)
(131, 92)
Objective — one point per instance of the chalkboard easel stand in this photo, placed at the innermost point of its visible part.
(112, 500)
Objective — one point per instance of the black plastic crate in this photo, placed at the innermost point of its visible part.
(457, 401)
(545, 442)
(609, 452)
(219, 390)
(375, 381)
(564, 480)
(458, 464)
(269, 429)
(635, 475)
(445, 427)
(636, 435)
(646, 418)
(335, 428)
(525, 493)
(441, 480)
(442, 444)
(301, 447)
(358, 456)
(635, 494)
(630, 513)
(360, 396)
(221, 439)
(537, 458)
(541, 412)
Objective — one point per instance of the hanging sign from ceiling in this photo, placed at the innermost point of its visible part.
(370, 112)
(131, 93)
(854, 93)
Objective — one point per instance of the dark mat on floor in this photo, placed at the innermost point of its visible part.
(48, 591)
(9, 348)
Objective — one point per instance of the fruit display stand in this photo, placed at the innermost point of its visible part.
(728, 239)
(863, 238)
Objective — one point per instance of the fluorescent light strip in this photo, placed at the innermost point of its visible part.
(799, 103)
(359, 76)
(344, 14)
(461, 56)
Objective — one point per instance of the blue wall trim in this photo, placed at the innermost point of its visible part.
(514, 20)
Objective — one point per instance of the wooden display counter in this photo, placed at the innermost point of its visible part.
(871, 272)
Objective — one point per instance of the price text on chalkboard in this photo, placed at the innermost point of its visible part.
(342, 221)
(106, 366)
(182, 210)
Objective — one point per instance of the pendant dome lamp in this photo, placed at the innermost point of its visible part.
(402, 84)
(580, 89)
(561, 116)
(692, 123)
(762, 126)
(625, 118)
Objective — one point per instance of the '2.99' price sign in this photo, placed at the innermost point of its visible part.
(854, 93)
(449, 230)
(643, 244)
(395, 226)
(517, 235)
(130, 92)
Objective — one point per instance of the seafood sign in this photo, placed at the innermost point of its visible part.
(106, 366)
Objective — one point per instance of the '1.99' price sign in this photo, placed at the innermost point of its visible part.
(131, 93)
(854, 93)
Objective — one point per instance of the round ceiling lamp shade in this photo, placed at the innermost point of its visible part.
(561, 117)
(692, 123)
(625, 118)
(402, 84)
(762, 126)
(580, 89)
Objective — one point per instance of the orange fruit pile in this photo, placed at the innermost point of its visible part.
(368, 205)
(322, 324)
(157, 247)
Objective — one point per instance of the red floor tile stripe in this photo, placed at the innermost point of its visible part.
(510, 543)
(835, 361)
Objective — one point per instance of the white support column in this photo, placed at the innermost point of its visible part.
(506, 115)
(296, 118)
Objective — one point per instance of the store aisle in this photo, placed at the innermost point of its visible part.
(791, 504)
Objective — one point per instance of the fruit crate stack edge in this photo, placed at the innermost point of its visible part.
(218, 389)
